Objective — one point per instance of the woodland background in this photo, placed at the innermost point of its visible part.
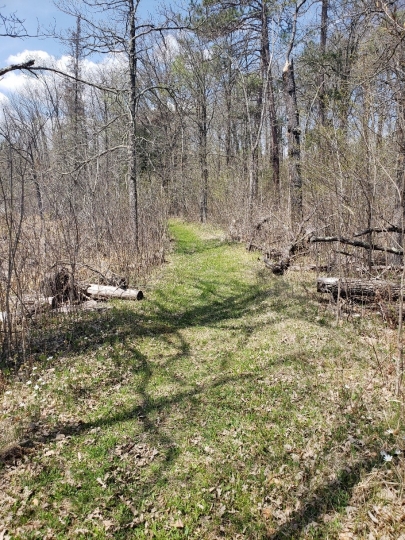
(277, 120)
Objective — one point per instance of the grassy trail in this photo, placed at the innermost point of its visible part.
(226, 405)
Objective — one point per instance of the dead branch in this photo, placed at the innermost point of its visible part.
(355, 243)
(16, 67)
(391, 228)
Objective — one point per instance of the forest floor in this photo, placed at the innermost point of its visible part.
(228, 404)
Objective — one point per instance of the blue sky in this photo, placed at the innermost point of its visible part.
(45, 14)
(40, 16)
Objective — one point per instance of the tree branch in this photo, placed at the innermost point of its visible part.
(14, 67)
(391, 228)
(355, 243)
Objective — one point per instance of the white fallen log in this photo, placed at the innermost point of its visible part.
(360, 288)
(105, 291)
(88, 305)
(26, 306)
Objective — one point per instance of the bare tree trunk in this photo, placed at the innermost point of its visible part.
(400, 165)
(228, 134)
(132, 153)
(203, 163)
(38, 191)
(275, 136)
(322, 92)
(268, 78)
(294, 144)
(253, 179)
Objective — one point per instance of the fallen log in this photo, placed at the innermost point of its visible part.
(278, 268)
(88, 305)
(309, 268)
(34, 304)
(372, 289)
(104, 291)
(28, 305)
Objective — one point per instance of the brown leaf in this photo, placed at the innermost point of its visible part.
(108, 524)
(102, 484)
(178, 524)
(267, 512)
(222, 510)
(373, 518)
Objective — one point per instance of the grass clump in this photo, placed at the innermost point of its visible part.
(226, 405)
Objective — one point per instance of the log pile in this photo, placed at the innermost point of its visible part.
(62, 293)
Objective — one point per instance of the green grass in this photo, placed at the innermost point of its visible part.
(227, 404)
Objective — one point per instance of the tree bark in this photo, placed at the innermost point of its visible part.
(322, 92)
(267, 76)
(203, 129)
(355, 243)
(294, 144)
(132, 151)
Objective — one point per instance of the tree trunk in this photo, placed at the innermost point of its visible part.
(294, 144)
(253, 180)
(228, 101)
(268, 78)
(322, 92)
(132, 152)
(203, 162)
(399, 216)
(275, 137)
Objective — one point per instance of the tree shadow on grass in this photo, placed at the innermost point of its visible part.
(82, 332)
(332, 496)
(163, 315)
(344, 461)
(151, 413)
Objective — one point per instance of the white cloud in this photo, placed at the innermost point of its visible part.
(172, 45)
(114, 60)
(167, 49)
(3, 99)
(28, 55)
(15, 81)
(63, 63)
